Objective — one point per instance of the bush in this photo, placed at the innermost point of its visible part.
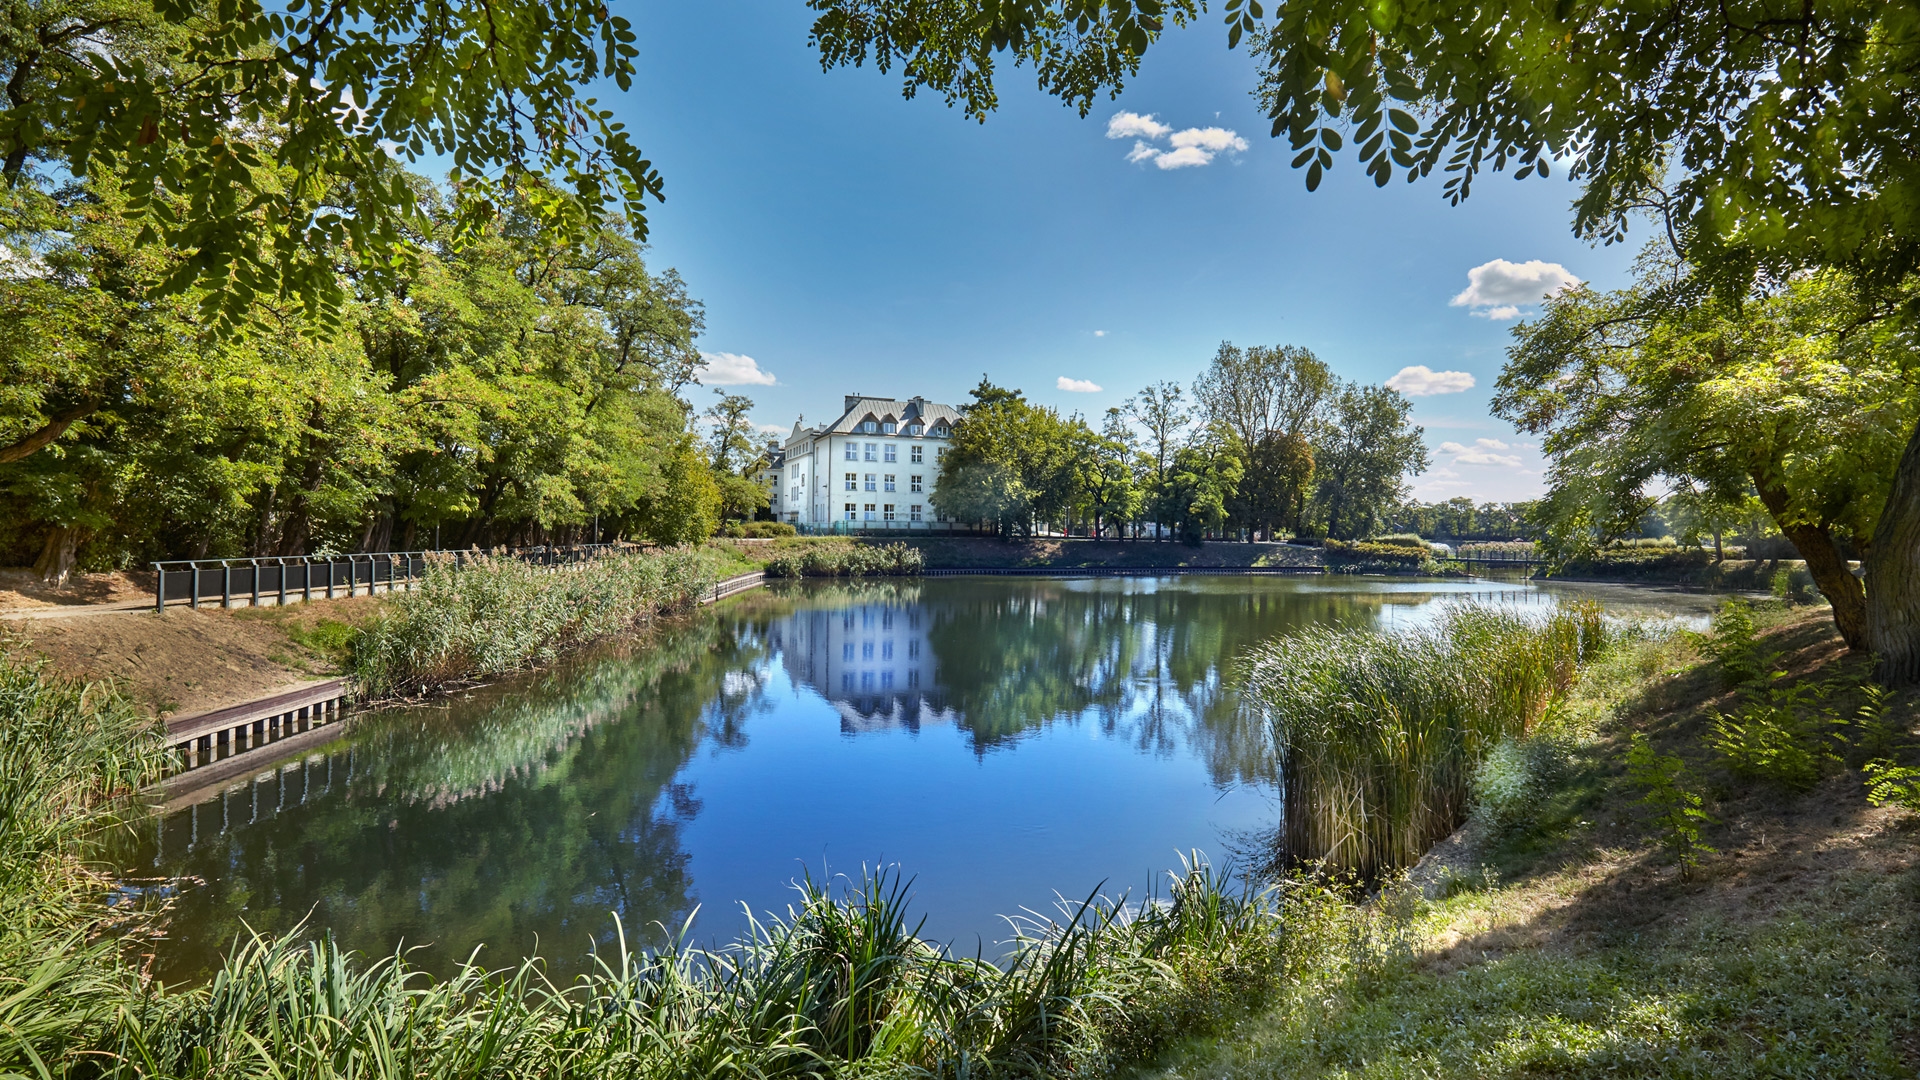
(849, 559)
(757, 530)
(1889, 784)
(1514, 778)
(1405, 540)
(1735, 643)
(1674, 808)
(489, 615)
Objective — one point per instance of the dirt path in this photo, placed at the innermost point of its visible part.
(187, 661)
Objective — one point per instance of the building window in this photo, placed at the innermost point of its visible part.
(866, 426)
(870, 449)
(939, 452)
(886, 680)
(886, 512)
(886, 427)
(853, 480)
(886, 650)
(889, 482)
(846, 651)
(913, 512)
(870, 486)
(853, 451)
(866, 650)
(913, 678)
(866, 680)
(917, 488)
(915, 454)
(850, 516)
(846, 680)
(886, 622)
(869, 511)
(917, 429)
(913, 649)
(893, 452)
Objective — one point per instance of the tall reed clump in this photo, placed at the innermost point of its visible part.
(849, 559)
(1379, 734)
(841, 986)
(68, 751)
(487, 616)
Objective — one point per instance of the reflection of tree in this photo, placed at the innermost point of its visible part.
(517, 817)
(1148, 661)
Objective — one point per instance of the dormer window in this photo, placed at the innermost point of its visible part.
(888, 428)
(939, 431)
(917, 430)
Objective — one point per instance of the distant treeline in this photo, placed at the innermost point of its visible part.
(1270, 443)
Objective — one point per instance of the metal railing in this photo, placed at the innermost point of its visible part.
(276, 579)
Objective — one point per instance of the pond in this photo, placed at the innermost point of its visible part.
(1005, 741)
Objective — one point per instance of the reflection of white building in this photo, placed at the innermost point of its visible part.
(873, 468)
(873, 661)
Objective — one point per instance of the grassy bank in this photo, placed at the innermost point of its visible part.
(1587, 936)
(1692, 568)
(490, 616)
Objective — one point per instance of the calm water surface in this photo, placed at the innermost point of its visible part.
(1002, 740)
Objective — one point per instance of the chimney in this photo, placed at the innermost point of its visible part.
(852, 400)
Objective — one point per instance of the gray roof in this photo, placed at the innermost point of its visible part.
(859, 408)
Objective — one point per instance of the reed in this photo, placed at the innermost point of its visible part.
(841, 985)
(486, 616)
(1379, 734)
(848, 558)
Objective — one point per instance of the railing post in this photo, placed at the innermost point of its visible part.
(306, 579)
(193, 598)
(256, 581)
(283, 582)
(226, 584)
(329, 577)
(159, 588)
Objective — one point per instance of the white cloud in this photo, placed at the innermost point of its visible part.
(1213, 140)
(1498, 289)
(1077, 386)
(1422, 381)
(1099, 333)
(1127, 125)
(731, 369)
(1482, 452)
(772, 429)
(1191, 146)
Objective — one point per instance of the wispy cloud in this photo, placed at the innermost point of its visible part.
(1482, 452)
(1077, 386)
(1421, 381)
(1099, 333)
(1191, 146)
(1499, 289)
(731, 369)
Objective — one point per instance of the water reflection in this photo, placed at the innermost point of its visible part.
(1000, 738)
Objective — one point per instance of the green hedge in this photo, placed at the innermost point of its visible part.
(848, 559)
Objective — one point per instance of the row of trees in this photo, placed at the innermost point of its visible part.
(1270, 442)
(508, 384)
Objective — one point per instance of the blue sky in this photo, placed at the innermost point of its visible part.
(848, 240)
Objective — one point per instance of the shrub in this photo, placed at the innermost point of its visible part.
(1735, 643)
(1785, 738)
(1675, 812)
(1514, 778)
(488, 616)
(756, 530)
(1405, 540)
(1889, 784)
(849, 559)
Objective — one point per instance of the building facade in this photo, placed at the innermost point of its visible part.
(873, 468)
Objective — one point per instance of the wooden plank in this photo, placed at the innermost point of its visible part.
(187, 728)
(184, 789)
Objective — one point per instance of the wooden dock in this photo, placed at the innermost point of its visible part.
(207, 737)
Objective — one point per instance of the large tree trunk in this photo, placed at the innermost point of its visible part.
(55, 563)
(1828, 567)
(1893, 575)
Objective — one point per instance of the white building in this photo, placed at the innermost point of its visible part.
(873, 468)
(872, 660)
(769, 471)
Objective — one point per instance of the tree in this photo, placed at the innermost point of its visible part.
(1270, 400)
(1203, 476)
(1794, 394)
(260, 137)
(730, 431)
(1362, 462)
(1009, 462)
(1103, 462)
(1162, 412)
